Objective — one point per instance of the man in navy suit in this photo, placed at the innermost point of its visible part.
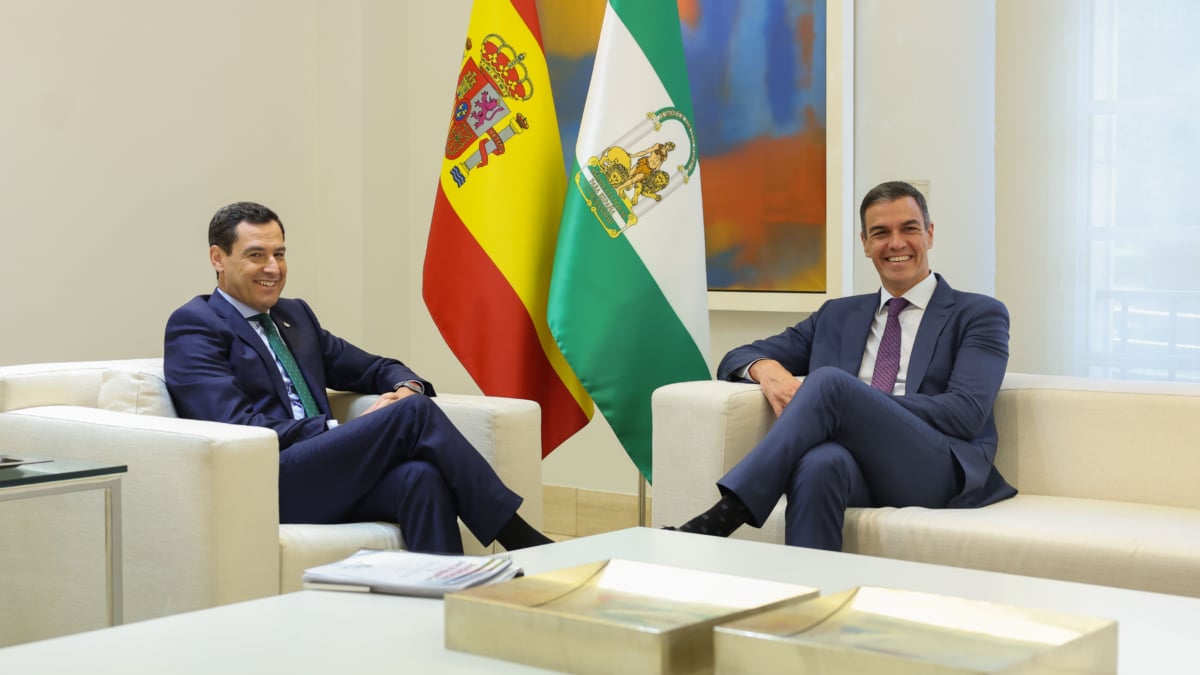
(887, 415)
(243, 355)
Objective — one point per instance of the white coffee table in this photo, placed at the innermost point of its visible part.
(326, 632)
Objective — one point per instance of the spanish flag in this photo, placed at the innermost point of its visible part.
(495, 220)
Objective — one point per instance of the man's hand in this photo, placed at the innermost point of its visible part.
(778, 385)
(389, 398)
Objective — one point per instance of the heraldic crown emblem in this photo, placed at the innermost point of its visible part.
(506, 68)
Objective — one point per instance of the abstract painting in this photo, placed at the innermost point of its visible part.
(757, 70)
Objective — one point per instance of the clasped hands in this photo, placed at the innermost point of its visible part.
(389, 398)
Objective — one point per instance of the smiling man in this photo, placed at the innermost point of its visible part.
(243, 355)
(896, 405)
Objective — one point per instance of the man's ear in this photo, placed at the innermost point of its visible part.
(217, 257)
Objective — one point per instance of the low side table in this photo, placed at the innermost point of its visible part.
(57, 476)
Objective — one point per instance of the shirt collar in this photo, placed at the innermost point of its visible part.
(245, 310)
(918, 296)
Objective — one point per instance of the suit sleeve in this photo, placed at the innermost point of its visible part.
(980, 360)
(792, 348)
(200, 378)
(349, 368)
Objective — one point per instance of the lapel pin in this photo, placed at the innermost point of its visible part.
(287, 325)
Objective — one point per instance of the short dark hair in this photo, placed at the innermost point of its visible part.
(222, 229)
(890, 192)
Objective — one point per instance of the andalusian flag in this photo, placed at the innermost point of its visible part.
(499, 200)
(628, 302)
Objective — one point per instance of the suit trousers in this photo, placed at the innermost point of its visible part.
(404, 463)
(840, 443)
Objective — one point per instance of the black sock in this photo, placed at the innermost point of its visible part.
(721, 520)
(517, 533)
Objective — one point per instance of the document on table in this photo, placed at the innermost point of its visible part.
(407, 573)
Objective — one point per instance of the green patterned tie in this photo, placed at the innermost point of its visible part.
(289, 363)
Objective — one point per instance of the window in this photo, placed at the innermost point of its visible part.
(1140, 213)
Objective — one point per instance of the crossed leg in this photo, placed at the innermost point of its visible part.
(871, 452)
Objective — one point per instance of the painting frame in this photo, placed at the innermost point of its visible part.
(839, 181)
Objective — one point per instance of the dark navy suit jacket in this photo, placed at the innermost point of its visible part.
(218, 368)
(954, 371)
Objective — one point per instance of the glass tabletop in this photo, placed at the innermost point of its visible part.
(33, 470)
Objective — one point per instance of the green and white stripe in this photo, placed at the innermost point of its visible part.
(628, 302)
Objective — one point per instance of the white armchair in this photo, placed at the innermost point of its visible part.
(200, 500)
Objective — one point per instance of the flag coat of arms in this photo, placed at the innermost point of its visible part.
(495, 220)
(628, 300)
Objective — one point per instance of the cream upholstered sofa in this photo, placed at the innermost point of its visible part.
(1108, 474)
(200, 499)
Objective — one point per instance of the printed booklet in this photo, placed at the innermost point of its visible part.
(406, 573)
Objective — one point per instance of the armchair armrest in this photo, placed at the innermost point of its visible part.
(701, 429)
(200, 506)
(346, 405)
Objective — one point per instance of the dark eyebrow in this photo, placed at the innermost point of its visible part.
(256, 249)
(880, 228)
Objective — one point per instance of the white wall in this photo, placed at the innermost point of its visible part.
(125, 124)
(128, 123)
(925, 110)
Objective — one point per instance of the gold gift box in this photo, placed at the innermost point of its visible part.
(869, 630)
(611, 616)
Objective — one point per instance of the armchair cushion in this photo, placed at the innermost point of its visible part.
(35, 384)
(136, 386)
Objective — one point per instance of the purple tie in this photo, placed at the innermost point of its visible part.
(887, 361)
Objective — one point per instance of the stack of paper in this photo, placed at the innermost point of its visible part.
(408, 573)
(612, 616)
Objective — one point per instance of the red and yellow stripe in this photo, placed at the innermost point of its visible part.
(492, 241)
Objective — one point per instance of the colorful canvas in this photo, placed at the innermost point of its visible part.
(757, 74)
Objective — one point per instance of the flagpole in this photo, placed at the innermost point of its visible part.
(641, 500)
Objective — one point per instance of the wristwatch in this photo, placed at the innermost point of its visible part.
(412, 385)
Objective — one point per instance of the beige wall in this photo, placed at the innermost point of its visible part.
(1038, 137)
(925, 110)
(126, 123)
